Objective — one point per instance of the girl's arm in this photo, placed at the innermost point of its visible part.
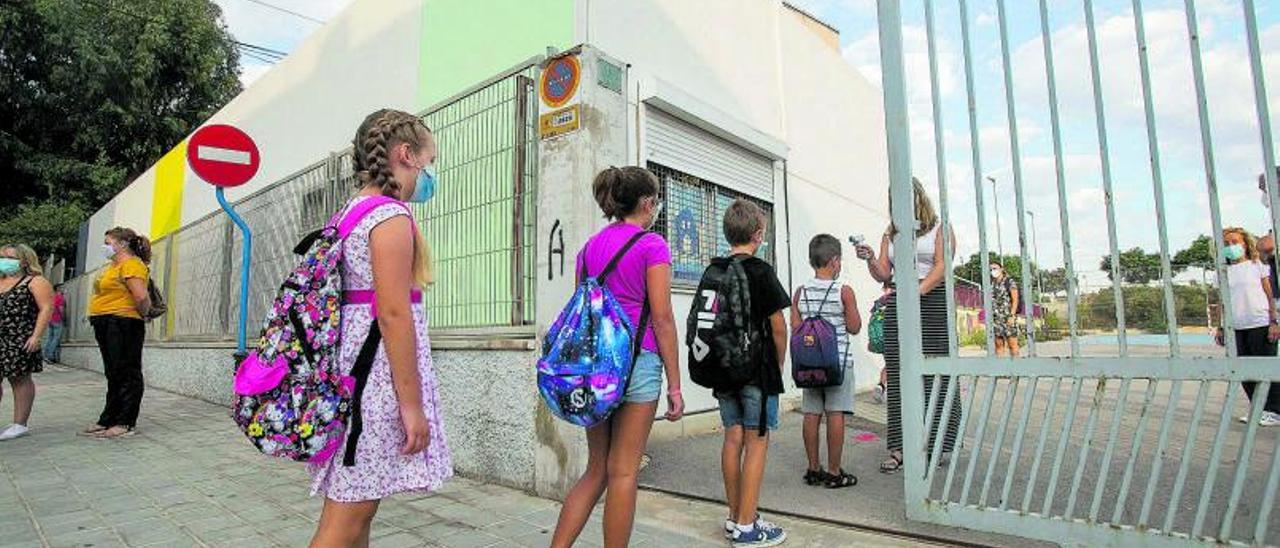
(878, 265)
(852, 318)
(391, 253)
(141, 299)
(42, 290)
(938, 273)
(661, 315)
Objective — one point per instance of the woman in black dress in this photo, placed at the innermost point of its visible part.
(26, 302)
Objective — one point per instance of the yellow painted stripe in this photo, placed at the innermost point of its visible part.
(166, 201)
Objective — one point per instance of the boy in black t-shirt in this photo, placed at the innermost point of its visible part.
(742, 458)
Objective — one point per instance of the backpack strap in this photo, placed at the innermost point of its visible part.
(358, 212)
(825, 296)
(360, 371)
(613, 263)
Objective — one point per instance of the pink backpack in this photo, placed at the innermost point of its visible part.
(290, 399)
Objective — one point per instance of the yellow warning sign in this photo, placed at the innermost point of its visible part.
(559, 122)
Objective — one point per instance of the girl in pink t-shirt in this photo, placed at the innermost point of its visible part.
(629, 197)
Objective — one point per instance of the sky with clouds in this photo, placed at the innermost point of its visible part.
(1228, 83)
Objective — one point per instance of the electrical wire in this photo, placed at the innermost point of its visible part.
(290, 12)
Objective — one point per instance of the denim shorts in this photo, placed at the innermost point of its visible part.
(646, 379)
(743, 408)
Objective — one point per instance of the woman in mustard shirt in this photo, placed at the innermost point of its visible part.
(116, 311)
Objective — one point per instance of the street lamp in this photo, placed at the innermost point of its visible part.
(996, 197)
(1035, 251)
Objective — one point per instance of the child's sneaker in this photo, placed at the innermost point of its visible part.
(878, 394)
(729, 528)
(761, 533)
(1269, 419)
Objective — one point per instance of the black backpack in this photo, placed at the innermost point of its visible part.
(725, 341)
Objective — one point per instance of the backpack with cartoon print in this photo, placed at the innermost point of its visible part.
(290, 399)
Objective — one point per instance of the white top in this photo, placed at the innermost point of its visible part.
(925, 246)
(812, 304)
(1249, 305)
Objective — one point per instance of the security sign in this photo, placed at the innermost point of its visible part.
(223, 155)
(560, 81)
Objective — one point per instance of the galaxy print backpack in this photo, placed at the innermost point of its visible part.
(588, 352)
(290, 399)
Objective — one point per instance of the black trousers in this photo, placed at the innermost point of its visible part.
(1253, 342)
(120, 342)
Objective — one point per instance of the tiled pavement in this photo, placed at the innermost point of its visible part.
(188, 479)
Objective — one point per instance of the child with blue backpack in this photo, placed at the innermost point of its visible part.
(824, 300)
(635, 266)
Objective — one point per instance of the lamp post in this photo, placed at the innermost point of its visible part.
(995, 196)
(1035, 252)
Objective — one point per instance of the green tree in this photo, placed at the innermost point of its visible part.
(92, 92)
(1198, 255)
(971, 269)
(1136, 266)
(1053, 281)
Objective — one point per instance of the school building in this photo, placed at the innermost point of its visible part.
(723, 99)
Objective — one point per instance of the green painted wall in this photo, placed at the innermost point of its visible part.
(461, 48)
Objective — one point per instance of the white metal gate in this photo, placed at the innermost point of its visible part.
(1073, 449)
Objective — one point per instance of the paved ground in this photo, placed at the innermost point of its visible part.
(189, 479)
(690, 465)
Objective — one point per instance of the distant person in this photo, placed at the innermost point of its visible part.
(933, 323)
(53, 338)
(401, 446)
(749, 413)
(120, 302)
(1253, 313)
(875, 332)
(26, 302)
(1004, 313)
(628, 196)
(823, 296)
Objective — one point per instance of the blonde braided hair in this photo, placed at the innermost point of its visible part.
(381, 132)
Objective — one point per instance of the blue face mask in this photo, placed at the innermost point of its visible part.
(1233, 252)
(426, 187)
(9, 267)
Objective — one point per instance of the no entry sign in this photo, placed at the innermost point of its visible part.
(223, 155)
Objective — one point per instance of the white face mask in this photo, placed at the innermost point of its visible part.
(108, 252)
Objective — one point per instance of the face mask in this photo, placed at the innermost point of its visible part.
(996, 272)
(108, 251)
(1233, 252)
(657, 210)
(426, 186)
(9, 267)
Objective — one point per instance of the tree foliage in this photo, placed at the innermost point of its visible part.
(1136, 266)
(971, 269)
(92, 92)
(1197, 255)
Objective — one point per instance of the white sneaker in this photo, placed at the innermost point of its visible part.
(13, 431)
(877, 395)
(729, 527)
(1243, 419)
(1269, 419)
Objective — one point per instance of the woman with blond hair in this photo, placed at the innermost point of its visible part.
(1253, 312)
(931, 272)
(26, 302)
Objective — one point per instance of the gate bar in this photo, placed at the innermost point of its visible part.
(1135, 449)
(934, 386)
(964, 423)
(935, 97)
(977, 440)
(1065, 435)
(952, 385)
(1101, 484)
(1185, 466)
(1215, 454)
(1260, 391)
(1162, 446)
(1264, 117)
(976, 152)
(1108, 193)
(1017, 444)
(1044, 436)
(1015, 161)
(1211, 179)
(1157, 179)
(1099, 392)
(1269, 495)
(1010, 394)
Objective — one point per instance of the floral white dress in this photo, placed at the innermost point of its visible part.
(380, 469)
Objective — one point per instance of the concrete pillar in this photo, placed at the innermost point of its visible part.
(582, 130)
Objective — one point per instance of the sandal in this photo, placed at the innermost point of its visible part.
(816, 477)
(843, 479)
(114, 432)
(891, 465)
(91, 430)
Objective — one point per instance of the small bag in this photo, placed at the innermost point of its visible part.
(158, 306)
(875, 327)
(815, 350)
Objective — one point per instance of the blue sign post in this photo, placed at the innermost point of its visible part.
(225, 156)
(245, 253)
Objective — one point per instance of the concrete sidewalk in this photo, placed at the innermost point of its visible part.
(188, 478)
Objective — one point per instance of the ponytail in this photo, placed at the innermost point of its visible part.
(137, 244)
(618, 190)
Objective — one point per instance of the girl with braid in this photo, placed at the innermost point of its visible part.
(401, 445)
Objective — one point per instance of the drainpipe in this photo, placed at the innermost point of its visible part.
(786, 212)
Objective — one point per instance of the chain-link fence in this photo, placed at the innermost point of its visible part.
(479, 226)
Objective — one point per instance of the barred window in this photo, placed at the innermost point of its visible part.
(692, 222)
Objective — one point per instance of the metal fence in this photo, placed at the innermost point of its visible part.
(1082, 450)
(479, 226)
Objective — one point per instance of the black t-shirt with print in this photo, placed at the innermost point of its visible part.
(767, 297)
